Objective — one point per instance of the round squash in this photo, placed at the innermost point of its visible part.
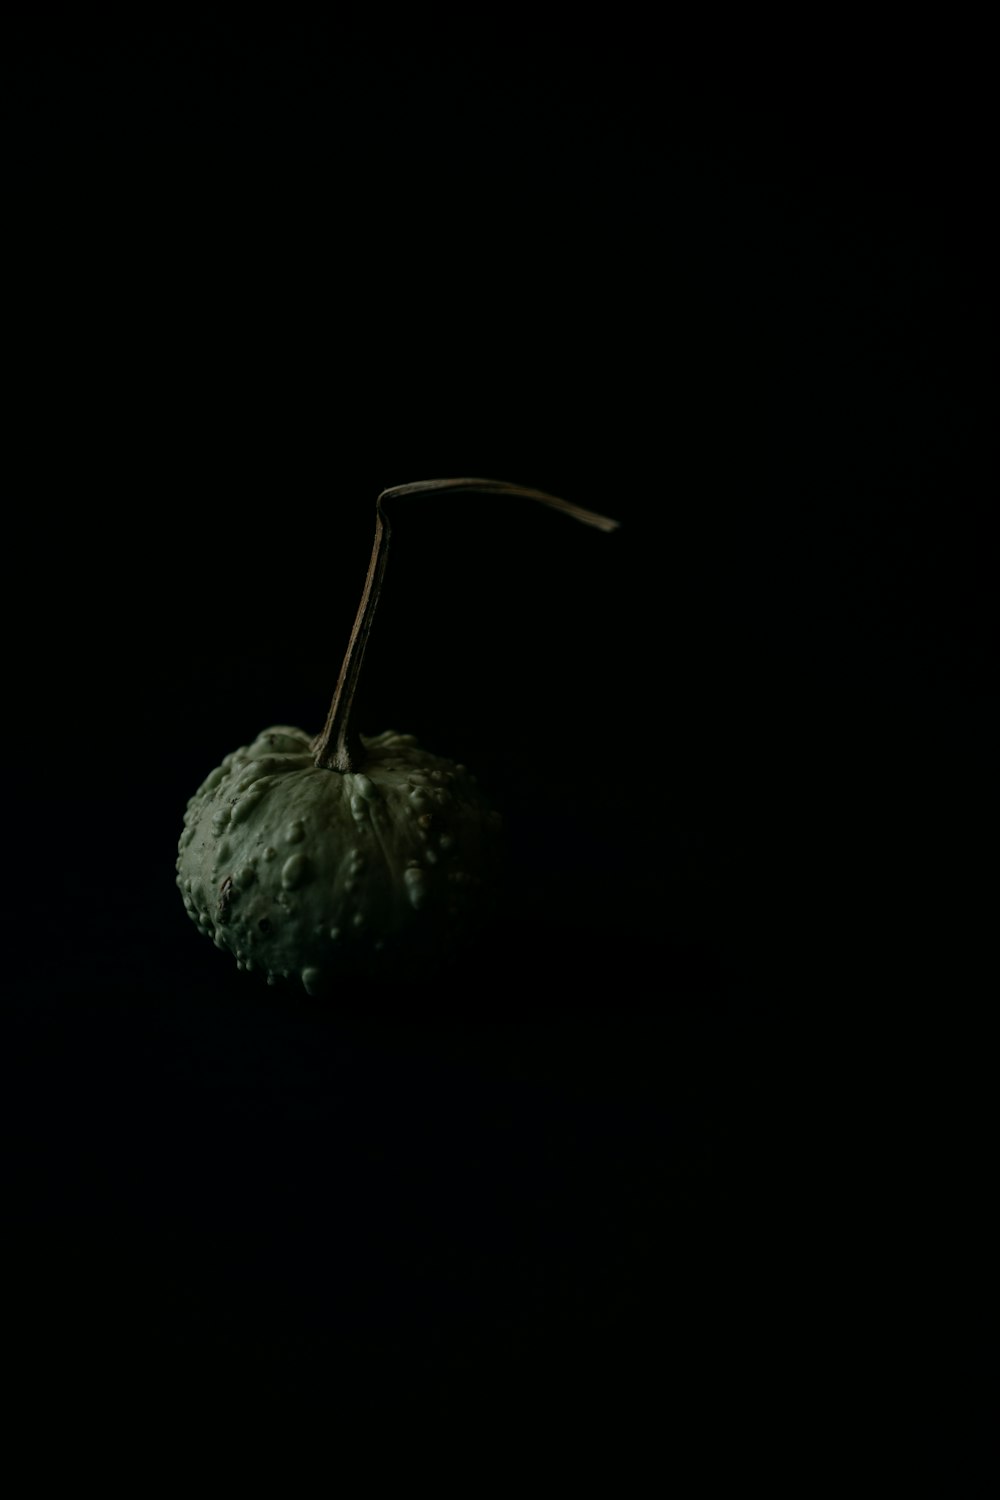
(310, 859)
(307, 873)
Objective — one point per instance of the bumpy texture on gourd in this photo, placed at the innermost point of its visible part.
(302, 871)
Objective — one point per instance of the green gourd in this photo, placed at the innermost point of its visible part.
(313, 858)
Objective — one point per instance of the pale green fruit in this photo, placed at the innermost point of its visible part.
(310, 873)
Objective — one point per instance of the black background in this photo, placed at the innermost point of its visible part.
(259, 277)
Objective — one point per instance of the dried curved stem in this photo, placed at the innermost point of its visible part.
(339, 746)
